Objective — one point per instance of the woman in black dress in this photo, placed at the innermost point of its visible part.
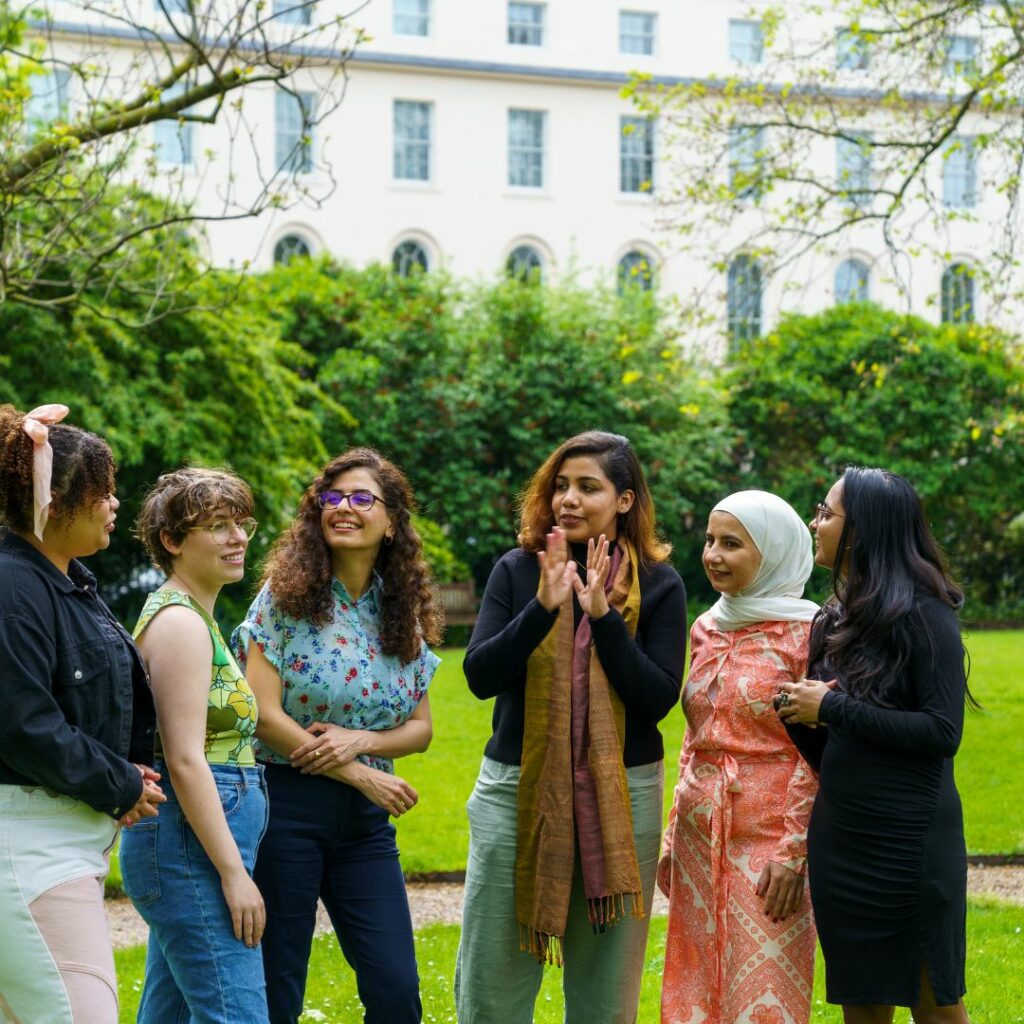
(887, 864)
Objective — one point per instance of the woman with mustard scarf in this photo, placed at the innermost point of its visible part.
(581, 639)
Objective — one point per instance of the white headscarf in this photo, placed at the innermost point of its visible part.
(776, 593)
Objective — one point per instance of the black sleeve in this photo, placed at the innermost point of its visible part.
(810, 742)
(502, 642)
(936, 672)
(36, 739)
(649, 680)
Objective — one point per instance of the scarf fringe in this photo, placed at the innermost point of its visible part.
(606, 910)
(546, 948)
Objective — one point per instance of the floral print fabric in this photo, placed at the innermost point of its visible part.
(231, 712)
(743, 799)
(335, 672)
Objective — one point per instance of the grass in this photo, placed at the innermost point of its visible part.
(995, 942)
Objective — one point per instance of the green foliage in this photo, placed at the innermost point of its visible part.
(941, 405)
(437, 550)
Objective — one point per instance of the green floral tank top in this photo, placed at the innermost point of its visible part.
(231, 712)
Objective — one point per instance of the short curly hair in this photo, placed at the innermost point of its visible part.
(184, 499)
(83, 470)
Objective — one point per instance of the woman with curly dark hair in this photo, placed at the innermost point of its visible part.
(581, 639)
(77, 725)
(335, 649)
(887, 863)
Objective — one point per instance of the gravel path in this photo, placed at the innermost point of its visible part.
(441, 903)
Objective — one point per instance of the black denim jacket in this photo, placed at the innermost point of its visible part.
(75, 704)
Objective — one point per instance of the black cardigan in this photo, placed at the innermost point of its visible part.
(646, 671)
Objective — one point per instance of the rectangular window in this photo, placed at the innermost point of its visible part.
(961, 56)
(412, 141)
(636, 32)
(526, 24)
(293, 133)
(851, 51)
(49, 100)
(172, 6)
(746, 42)
(298, 12)
(526, 148)
(960, 173)
(174, 140)
(853, 169)
(636, 154)
(746, 155)
(411, 17)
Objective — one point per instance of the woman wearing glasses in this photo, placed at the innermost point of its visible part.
(886, 856)
(335, 647)
(189, 871)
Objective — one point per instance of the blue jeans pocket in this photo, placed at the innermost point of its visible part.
(139, 865)
(230, 794)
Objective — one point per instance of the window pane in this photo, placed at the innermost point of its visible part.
(746, 42)
(959, 173)
(412, 140)
(853, 169)
(851, 51)
(636, 154)
(49, 100)
(957, 295)
(172, 6)
(174, 140)
(524, 263)
(297, 12)
(636, 32)
(409, 258)
(961, 56)
(293, 133)
(526, 148)
(526, 24)
(635, 271)
(743, 299)
(412, 17)
(852, 282)
(746, 154)
(291, 247)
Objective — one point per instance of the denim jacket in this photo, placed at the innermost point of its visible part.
(75, 704)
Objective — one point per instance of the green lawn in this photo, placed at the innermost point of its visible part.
(995, 941)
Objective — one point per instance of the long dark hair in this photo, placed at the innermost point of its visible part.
(865, 633)
(299, 564)
(620, 464)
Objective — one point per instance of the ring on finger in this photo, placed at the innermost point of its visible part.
(316, 753)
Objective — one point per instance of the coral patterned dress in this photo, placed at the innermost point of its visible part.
(743, 798)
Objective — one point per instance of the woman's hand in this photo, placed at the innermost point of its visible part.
(557, 571)
(391, 792)
(591, 595)
(248, 914)
(798, 702)
(782, 889)
(147, 806)
(331, 747)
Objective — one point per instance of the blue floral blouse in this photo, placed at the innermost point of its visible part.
(335, 672)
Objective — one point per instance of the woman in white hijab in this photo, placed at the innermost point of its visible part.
(740, 941)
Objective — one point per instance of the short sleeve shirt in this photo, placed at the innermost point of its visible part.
(335, 672)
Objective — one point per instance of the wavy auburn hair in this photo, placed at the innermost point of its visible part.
(865, 632)
(298, 567)
(620, 464)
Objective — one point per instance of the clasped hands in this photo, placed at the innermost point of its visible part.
(798, 703)
(147, 806)
(559, 575)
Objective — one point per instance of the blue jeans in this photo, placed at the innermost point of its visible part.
(197, 972)
(326, 840)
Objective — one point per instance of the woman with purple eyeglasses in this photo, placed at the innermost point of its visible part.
(335, 648)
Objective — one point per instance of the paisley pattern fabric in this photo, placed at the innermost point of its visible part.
(336, 672)
(231, 712)
(743, 799)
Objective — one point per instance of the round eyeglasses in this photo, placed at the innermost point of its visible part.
(222, 530)
(358, 501)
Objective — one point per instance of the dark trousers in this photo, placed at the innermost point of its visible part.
(325, 839)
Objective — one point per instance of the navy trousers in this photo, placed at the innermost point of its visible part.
(325, 839)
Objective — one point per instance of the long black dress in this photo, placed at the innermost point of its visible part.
(887, 863)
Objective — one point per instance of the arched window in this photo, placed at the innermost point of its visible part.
(635, 271)
(525, 263)
(957, 294)
(852, 282)
(291, 247)
(743, 299)
(408, 258)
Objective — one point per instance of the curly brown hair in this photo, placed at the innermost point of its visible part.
(298, 567)
(619, 463)
(83, 470)
(184, 499)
